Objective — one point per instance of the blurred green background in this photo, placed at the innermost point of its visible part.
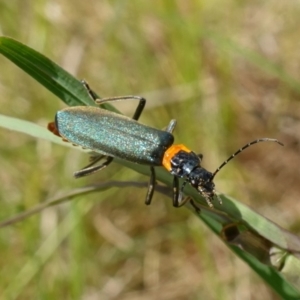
(227, 71)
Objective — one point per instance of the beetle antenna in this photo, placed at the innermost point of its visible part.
(242, 149)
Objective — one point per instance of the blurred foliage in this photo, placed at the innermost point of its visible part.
(227, 73)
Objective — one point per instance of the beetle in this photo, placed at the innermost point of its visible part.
(114, 135)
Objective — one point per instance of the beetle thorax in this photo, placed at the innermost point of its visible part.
(183, 163)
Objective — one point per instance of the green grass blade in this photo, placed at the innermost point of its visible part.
(284, 288)
(31, 129)
(46, 72)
